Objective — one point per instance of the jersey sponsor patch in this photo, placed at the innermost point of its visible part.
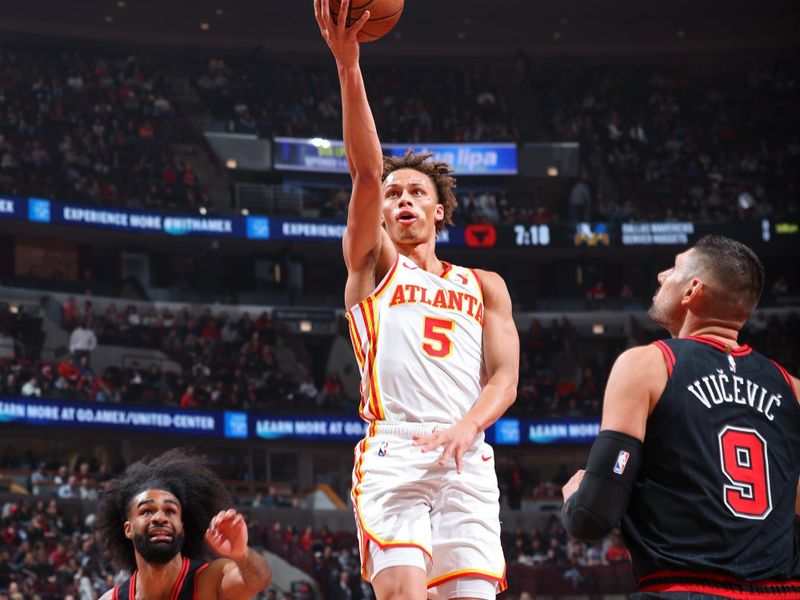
(622, 460)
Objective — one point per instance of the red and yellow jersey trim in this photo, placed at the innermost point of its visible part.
(500, 579)
(478, 281)
(364, 317)
(355, 339)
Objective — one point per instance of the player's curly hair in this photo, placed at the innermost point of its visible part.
(438, 172)
(178, 471)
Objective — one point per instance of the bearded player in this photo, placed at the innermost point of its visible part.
(699, 448)
(159, 520)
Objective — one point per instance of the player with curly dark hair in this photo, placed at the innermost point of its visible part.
(439, 174)
(159, 521)
(438, 353)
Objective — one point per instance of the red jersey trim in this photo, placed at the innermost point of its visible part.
(669, 356)
(740, 351)
(787, 377)
(195, 593)
(115, 593)
(176, 588)
(720, 585)
(447, 268)
(478, 281)
(132, 587)
(388, 278)
(701, 575)
(720, 591)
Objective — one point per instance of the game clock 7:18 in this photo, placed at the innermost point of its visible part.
(532, 235)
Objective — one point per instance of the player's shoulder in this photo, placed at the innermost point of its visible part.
(639, 358)
(211, 573)
(109, 595)
(489, 280)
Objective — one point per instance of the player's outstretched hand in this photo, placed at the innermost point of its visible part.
(572, 485)
(227, 534)
(342, 40)
(454, 441)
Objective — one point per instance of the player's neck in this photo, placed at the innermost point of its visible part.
(156, 581)
(422, 254)
(725, 332)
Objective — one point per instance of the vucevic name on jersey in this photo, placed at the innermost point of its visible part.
(717, 488)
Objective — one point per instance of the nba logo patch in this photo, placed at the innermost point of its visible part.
(731, 363)
(383, 448)
(622, 460)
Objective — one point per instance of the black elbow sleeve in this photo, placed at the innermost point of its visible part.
(603, 495)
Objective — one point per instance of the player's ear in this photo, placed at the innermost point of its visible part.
(693, 291)
(128, 528)
(439, 212)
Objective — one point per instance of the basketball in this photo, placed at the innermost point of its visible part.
(383, 16)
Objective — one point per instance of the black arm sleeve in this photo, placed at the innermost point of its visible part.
(603, 495)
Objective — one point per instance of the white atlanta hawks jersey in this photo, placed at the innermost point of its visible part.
(418, 339)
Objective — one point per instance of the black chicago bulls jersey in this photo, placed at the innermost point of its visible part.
(715, 498)
(184, 588)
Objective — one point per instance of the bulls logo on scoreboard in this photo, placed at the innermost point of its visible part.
(480, 235)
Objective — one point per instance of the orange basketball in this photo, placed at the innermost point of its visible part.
(383, 15)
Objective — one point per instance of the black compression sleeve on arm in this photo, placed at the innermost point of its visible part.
(603, 495)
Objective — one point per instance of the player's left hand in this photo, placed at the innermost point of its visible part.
(454, 441)
(227, 534)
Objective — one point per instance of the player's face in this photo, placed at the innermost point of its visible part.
(155, 525)
(667, 309)
(410, 206)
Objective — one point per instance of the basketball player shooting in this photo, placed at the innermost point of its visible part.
(699, 443)
(439, 356)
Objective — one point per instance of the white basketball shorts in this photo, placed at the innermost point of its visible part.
(403, 498)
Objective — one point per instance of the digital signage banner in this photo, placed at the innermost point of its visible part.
(278, 427)
(476, 235)
(12, 208)
(561, 431)
(328, 156)
(260, 426)
(467, 159)
(35, 411)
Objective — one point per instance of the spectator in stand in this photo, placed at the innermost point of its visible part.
(307, 391)
(31, 388)
(332, 394)
(70, 488)
(580, 198)
(188, 400)
(597, 293)
(70, 313)
(626, 294)
(342, 590)
(515, 482)
(616, 550)
(780, 287)
(82, 341)
(8, 385)
(38, 477)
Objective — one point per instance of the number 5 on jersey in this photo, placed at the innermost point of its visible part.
(437, 343)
